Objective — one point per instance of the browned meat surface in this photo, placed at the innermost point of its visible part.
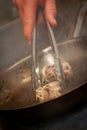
(49, 74)
(50, 81)
(48, 92)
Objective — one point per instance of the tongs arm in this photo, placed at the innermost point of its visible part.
(34, 58)
(35, 67)
(55, 50)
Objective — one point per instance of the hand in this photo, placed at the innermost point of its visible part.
(27, 12)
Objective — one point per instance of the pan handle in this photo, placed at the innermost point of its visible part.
(75, 31)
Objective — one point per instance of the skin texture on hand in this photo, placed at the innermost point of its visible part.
(27, 11)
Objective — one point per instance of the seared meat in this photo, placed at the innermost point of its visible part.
(48, 92)
(50, 80)
(49, 73)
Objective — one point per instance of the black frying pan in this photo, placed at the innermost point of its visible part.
(17, 97)
(15, 82)
(21, 102)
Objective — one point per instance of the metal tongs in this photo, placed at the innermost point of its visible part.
(35, 67)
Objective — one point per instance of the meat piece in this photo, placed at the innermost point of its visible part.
(50, 80)
(49, 74)
(48, 92)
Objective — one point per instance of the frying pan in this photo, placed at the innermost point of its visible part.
(16, 94)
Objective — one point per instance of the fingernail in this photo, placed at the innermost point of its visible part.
(29, 40)
(55, 22)
(29, 43)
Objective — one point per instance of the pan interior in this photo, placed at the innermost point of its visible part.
(15, 82)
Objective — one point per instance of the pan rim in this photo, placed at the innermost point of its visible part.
(48, 48)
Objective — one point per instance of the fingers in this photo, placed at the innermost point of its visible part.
(41, 2)
(19, 5)
(29, 14)
(50, 11)
(27, 11)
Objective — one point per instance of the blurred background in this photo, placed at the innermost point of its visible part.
(7, 12)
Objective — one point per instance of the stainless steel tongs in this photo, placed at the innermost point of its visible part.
(35, 68)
